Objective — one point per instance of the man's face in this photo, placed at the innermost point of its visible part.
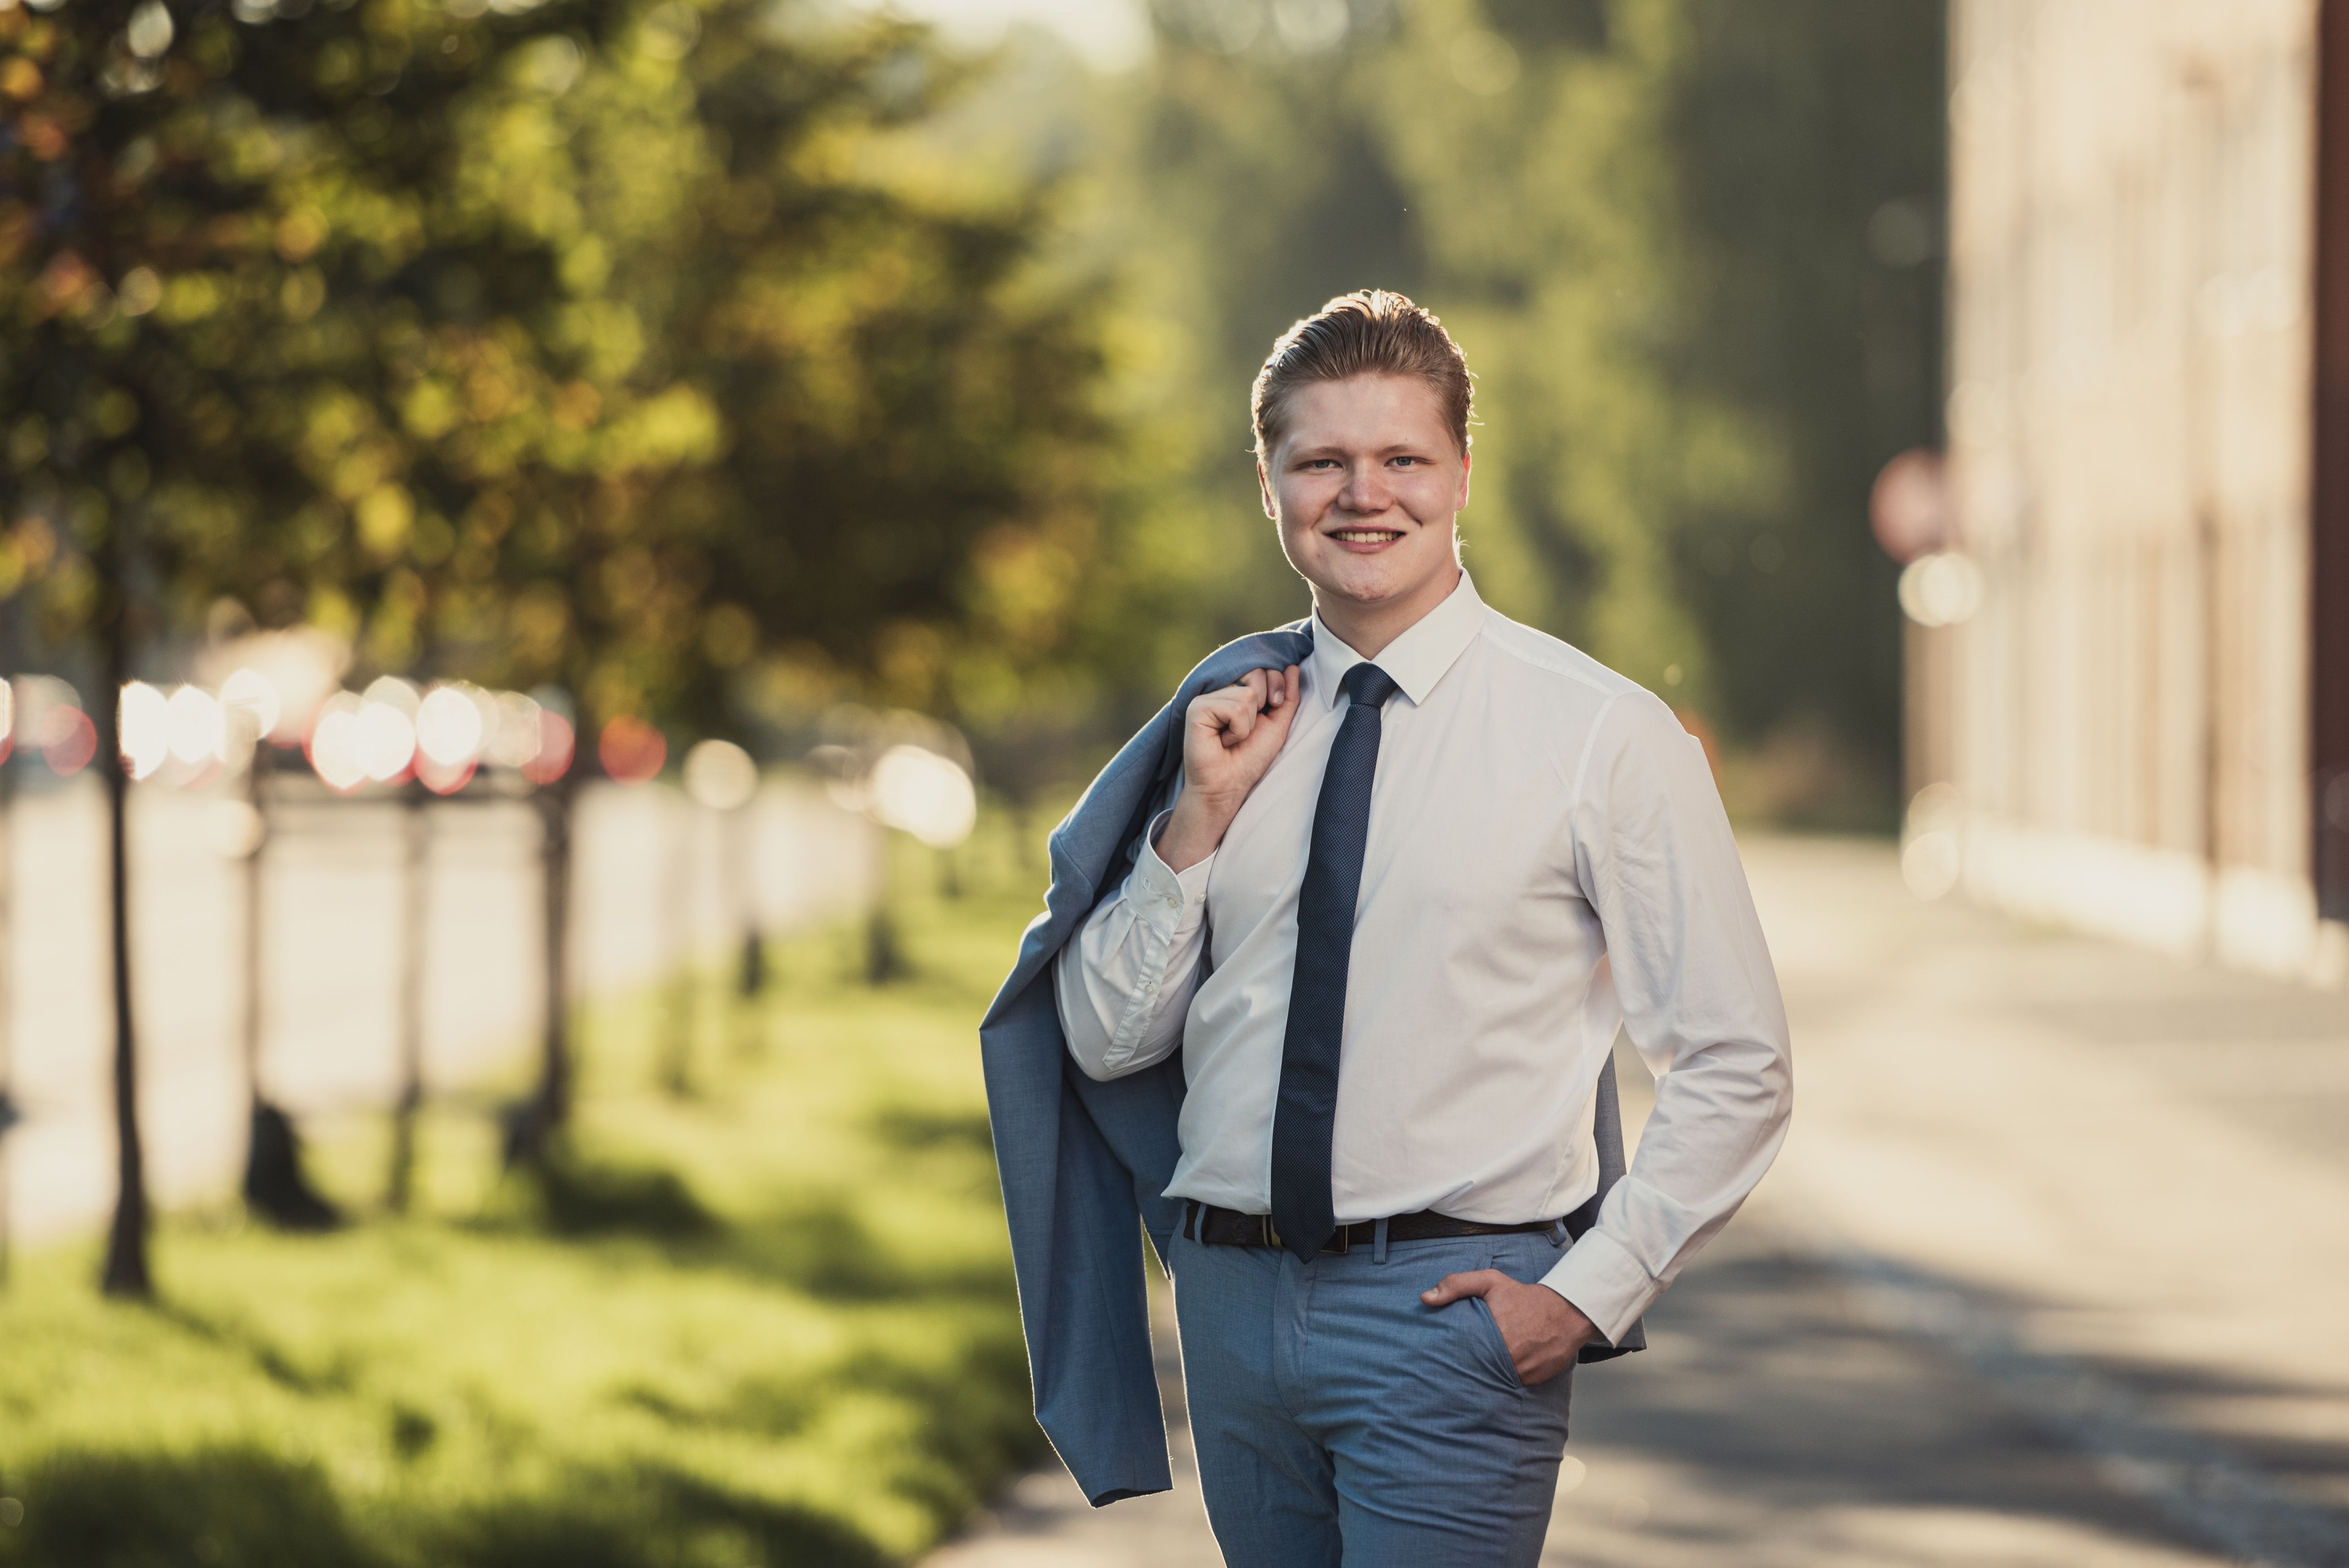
(1365, 482)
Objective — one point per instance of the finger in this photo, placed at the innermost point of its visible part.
(1459, 1286)
(1215, 709)
(1242, 724)
(1284, 690)
(1254, 683)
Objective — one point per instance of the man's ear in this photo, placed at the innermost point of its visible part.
(1264, 491)
(1467, 462)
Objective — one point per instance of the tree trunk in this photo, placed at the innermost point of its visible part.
(127, 1273)
(256, 967)
(275, 1185)
(675, 1048)
(884, 954)
(743, 891)
(416, 888)
(531, 1125)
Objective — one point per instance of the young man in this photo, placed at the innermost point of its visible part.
(1412, 878)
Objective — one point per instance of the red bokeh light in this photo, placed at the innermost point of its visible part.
(68, 740)
(1909, 505)
(631, 750)
(556, 742)
(441, 779)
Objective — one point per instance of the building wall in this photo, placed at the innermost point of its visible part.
(2122, 723)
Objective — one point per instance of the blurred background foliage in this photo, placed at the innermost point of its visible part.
(720, 361)
(1684, 244)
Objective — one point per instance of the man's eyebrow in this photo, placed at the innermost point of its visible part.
(1332, 449)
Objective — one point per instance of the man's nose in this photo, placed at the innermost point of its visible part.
(1366, 490)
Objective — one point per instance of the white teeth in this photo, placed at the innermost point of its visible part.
(1368, 535)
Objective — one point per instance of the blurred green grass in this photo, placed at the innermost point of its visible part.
(768, 1323)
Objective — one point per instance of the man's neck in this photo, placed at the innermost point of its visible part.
(1368, 628)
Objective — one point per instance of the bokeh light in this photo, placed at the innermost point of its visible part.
(337, 749)
(144, 715)
(282, 678)
(631, 750)
(720, 775)
(69, 739)
(556, 743)
(386, 740)
(925, 794)
(448, 727)
(194, 730)
(1941, 590)
(515, 737)
(387, 720)
(252, 696)
(1909, 506)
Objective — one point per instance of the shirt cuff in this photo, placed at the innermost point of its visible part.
(1604, 1283)
(1171, 901)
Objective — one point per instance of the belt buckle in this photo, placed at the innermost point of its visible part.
(1342, 1242)
(1272, 1236)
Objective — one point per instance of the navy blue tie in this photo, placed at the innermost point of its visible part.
(1302, 1208)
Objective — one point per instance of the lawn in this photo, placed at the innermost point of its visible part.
(769, 1323)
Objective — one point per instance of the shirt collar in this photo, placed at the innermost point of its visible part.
(1416, 660)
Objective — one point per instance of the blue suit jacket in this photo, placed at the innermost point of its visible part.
(1081, 1162)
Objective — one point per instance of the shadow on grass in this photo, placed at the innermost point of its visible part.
(915, 1129)
(578, 1194)
(229, 1508)
(648, 1521)
(814, 1244)
(241, 1508)
(271, 1361)
(820, 1247)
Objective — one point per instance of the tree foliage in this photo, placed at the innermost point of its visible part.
(589, 344)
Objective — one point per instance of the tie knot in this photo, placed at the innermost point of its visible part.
(1367, 685)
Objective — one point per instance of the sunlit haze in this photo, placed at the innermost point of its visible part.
(1111, 33)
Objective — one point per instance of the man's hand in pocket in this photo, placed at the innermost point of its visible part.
(1543, 1330)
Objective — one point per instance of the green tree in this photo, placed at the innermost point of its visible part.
(778, 422)
(215, 241)
(114, 163)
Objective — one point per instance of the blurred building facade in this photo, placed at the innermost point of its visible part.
(2136, 718)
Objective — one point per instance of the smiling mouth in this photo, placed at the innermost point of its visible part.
(1367, 535)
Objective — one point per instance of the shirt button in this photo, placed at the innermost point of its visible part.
(1150, 985)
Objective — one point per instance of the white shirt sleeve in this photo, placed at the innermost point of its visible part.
(1125, 981)
(1656, 858)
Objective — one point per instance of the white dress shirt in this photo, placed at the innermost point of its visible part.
(1547, 860)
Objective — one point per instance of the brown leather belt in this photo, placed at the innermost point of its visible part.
(1230, 1228)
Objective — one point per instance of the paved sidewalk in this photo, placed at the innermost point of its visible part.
(2050, 1275)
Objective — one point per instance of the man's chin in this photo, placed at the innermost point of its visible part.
(1371, 582)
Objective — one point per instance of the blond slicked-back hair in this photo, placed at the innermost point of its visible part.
(1371, 332)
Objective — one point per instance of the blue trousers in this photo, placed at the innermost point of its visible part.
(1338, 1420)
